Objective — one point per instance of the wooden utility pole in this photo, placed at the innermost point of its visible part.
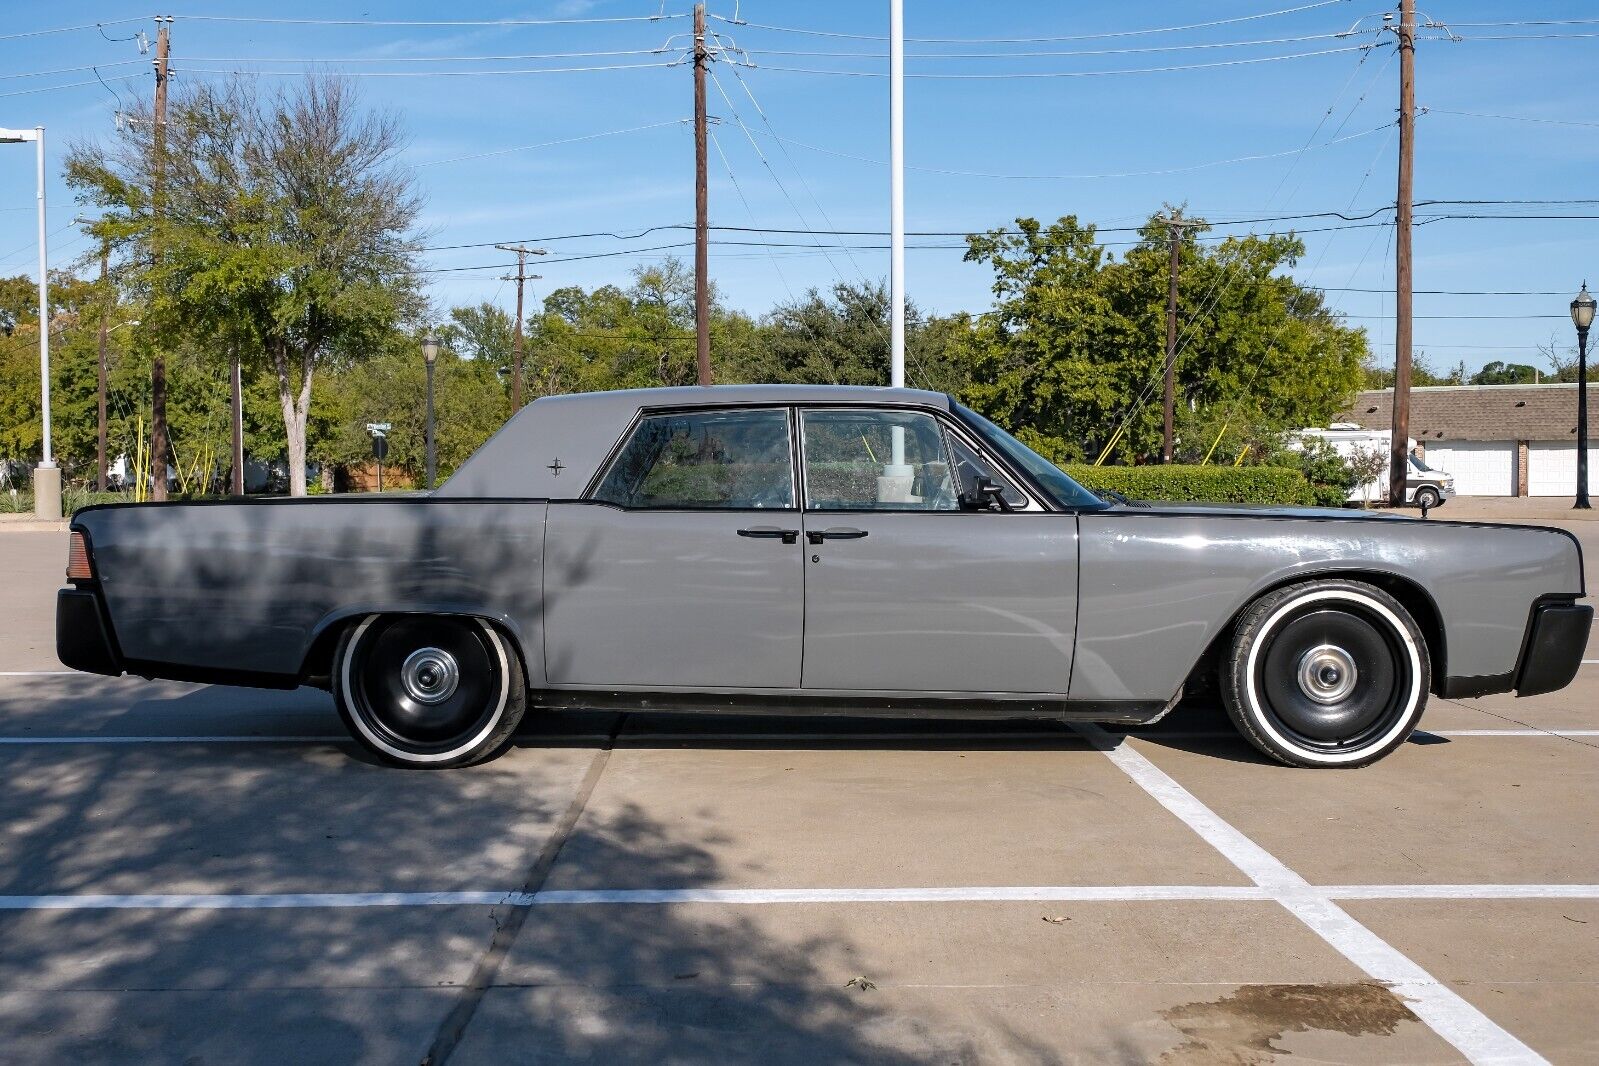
(1399, 446)
(105, 332)
(1174, 226)
(702, 243)
(521, 277)
(158, 363)
(238, 426)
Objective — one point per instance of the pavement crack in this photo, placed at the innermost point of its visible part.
(454, 1025)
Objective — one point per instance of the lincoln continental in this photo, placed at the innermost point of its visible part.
(805, 550)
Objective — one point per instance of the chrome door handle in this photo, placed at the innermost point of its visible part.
(787, 536)
(816, 536)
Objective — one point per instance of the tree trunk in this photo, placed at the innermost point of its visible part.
(296, 406)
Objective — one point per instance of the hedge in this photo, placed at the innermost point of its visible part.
(1196, 484)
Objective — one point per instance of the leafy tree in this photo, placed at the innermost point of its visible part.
(470, 403)
(842, 338)
(1072, 354)
(282, 233)
(1497, 372)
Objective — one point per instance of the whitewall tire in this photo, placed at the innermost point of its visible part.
(1328, 673)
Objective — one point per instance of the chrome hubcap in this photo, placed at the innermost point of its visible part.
(430, 675)
(1327, 674)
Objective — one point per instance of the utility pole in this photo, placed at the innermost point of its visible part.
(105, 331)
(158, 363)
(520, 277)
(238, 426)
(702, 222)
(1174, 227)
(1399, 447)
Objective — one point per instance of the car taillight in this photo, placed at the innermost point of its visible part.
(78, 565)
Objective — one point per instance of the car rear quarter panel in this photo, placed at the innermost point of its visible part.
(248, 587)
(1157, 588)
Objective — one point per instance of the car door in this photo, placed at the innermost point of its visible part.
(909, 587)
(683, 569)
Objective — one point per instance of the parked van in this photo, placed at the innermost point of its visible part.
(1424, 485)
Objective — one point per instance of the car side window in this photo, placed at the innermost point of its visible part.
(969, 466)
(876, 460)
(704, 460)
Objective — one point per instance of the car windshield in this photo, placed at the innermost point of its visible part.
(1418, 462)
(1052, 479)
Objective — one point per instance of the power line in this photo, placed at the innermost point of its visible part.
(948, 172)
(429, 22)
(1059, 53)
(1013, 74)
(1509, 118)
(73, 29)
(1032, 40)
(71, 85)
(550, 144)
(421, 73)
(427, 59)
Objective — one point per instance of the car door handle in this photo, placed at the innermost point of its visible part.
(816, 536)
(787, 536)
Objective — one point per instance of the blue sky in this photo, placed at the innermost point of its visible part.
(806, 150)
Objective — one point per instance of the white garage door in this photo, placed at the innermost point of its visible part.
(1481, 468)
(1552, 469)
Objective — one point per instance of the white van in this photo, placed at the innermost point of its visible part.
(1424, 486)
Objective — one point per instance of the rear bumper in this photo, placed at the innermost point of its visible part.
(1553, 651)
(83, 640)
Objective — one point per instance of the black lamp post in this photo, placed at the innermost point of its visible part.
(1582, 309)
(430, 352)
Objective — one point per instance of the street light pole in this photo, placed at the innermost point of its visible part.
(46, 477)
(430, 353)
(1582, 309)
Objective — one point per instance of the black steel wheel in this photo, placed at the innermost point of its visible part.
(1326, 673)
(429, 691)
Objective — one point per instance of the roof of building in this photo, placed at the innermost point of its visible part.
(1545, 412)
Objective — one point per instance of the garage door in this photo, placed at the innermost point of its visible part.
(1552, 469)
(1481, 468)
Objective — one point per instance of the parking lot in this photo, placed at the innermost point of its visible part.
(205, 874)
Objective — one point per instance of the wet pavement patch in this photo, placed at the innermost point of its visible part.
(1242, 1027)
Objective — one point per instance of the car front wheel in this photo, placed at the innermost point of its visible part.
(1329, 673)
(429, 692)
(1428, 498)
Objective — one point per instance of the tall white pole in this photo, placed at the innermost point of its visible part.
(896, 167)
(44, 305)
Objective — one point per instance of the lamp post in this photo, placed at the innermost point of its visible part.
(1582, 309)
(430, 353)
(46, 477)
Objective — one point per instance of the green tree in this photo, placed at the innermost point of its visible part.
(1071, 356)
(470, 403)
(842, 338)
(1498, 372)
(283, 233)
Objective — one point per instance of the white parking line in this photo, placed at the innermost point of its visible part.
(781, 896)
(692, 738)
(1470, 1031)
(38, 673)
(175, 740)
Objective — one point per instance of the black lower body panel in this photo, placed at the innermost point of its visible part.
(1555, 644)
(83, 640)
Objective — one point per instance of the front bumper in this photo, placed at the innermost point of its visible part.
(83, 640)
(1553, 651)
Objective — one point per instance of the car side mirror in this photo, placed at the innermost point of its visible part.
(987, 495)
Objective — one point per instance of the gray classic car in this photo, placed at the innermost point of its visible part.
(801, 549)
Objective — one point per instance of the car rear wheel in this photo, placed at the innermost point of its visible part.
(429, 692)
(1330, 673)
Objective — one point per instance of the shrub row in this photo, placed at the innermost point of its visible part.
(1198, 484)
